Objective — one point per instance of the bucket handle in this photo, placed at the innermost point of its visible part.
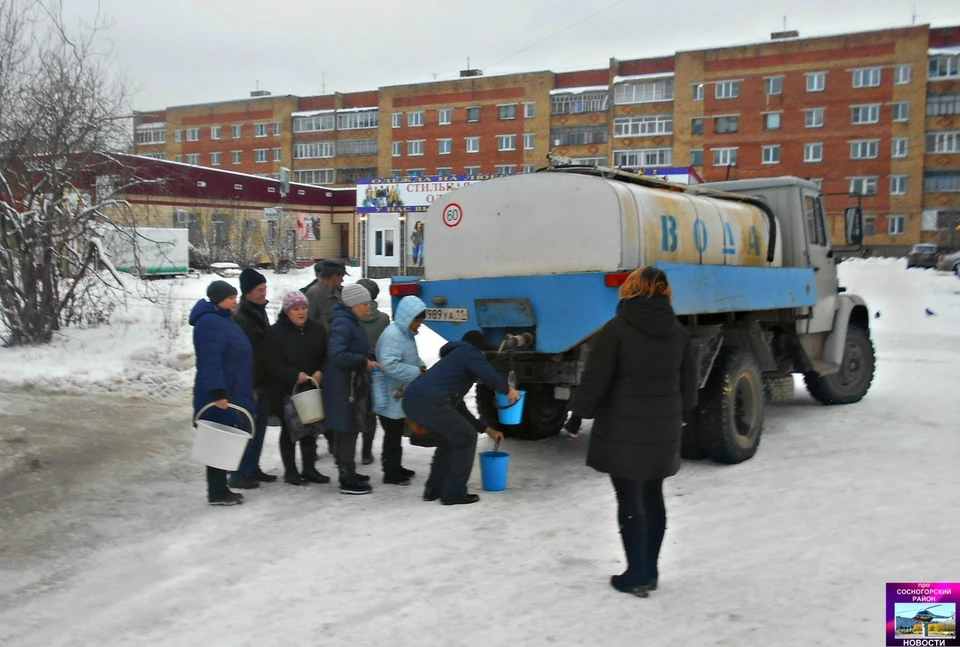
(315, 384)
(508, 406)
(231, 405)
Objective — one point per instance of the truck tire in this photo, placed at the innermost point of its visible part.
(853, 380)
(730, 415)
(778, 389)
(543, 415)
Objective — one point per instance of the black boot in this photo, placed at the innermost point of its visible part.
(308, 449)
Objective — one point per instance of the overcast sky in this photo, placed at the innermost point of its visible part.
(178, 52)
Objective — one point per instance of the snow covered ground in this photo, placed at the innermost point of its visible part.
(790, 548)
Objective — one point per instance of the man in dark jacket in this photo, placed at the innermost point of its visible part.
(639, 383)
(435, 401)
(251, 315)
(324, 293)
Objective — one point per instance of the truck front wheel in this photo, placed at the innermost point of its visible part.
(852, 381)
(543, 415)
(730, 415)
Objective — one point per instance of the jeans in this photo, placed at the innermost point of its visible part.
(642, 516)
(250, 463)
(453, 459)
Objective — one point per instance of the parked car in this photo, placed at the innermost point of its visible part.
(922, 255)
(949, 262)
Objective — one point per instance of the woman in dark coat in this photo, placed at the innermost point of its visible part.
(294, 350)
(639, 384)
(224, 374)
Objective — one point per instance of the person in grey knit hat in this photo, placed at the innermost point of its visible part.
(374, 324)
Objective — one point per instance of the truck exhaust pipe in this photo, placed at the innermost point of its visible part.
(512, 342)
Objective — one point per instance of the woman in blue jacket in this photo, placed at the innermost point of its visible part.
(435, 400)
(224, 374)
(401, 364)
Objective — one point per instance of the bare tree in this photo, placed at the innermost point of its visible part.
(62, 118)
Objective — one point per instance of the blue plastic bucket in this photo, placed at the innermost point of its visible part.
(493, 470)
(510, 414)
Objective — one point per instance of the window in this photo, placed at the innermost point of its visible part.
(578, 135)
(312, 150)
(215, 132)
(724, 156)
(696, 126)
(237, 131)
(771, 154)
(943, 142)
(415, 147)
(939, 105)
(818, 181)
(867, 114)
(396, 149)
(528, 168)
(898, 147)
(771, 120)
(358, 120)
(277, 128)
(193, 134)
(698, 91)
(445, 116)
(152, 135)
(314, 176)
(696, 157)
(941, 182)
(473, 144)
(643, 92)
(944, 66)
(506, 142)
(473, 114)
(643, 158)
(901, 111)
(773, 85)
(416, 172)
(316, 123)
(383, 242)
(415, 118)
(444, 170)
(895, 225)
(508, 111)
(814, 117)
(727, 89)
(444, 146)
(178, 159)
(813, 219)
(529, 109)
(528, 140)
(589, 161)
(237, 156)
(154, 156)
(868, 77)
(276, 154)
(726, 124)
(901, 74)
(471, 170)
(869, 224)
(214, 159)
(816, 81)
(571, 104)
(643, 126)
(898, 185)
(863, 185)
(813, 152)
(221, 231)
(259, 130)
(506, 169)
(353, 147)
(396, 119)
(261, 155)
(864, 149)
(396, 173)
(194, 159)
(178, 135)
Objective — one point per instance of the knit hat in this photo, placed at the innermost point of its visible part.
(249, 279)
(476, 339)
(355, 294)
(220, 290)
(293, 299)
(371, 287)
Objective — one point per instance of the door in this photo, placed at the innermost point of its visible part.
(820, 255)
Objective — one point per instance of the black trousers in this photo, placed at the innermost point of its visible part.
(392, 453)
(642, 516)
(344, 451)
(288, 450)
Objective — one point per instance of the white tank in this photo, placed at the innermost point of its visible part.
(553, 223)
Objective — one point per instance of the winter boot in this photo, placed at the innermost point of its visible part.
(621, 583)
(308, 449)
(350, 484)
(234, 498)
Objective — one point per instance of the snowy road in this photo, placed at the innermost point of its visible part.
(790, 548)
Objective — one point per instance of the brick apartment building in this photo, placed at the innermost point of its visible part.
(874, 117)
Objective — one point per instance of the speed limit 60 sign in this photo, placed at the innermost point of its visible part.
(452, 215)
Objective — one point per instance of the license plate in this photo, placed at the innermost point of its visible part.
(457, 315)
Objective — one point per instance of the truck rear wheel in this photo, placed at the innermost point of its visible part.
(853, 380)
(543, 415)
(730, 416)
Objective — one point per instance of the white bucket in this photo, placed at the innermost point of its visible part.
(309, 404)
(219, 445)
